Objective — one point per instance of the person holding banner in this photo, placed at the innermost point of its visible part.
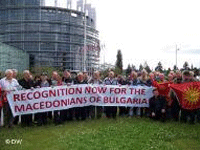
(42, 117)
(187, 77)
(56, 80)
(157, 106)
(26, 83)
(80, 112)
(67, 114)
(144, 80)
(16, 119)
(111, 111)
(133, 81)
(8, 84)
(95, 80)
(121, 81)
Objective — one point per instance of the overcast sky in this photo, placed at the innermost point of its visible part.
(148, 30)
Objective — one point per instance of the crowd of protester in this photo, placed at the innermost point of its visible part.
(160, 106)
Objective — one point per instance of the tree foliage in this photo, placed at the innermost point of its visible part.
(119, 63)
(141, 67)
(159, 67)
(128, 70)
(146, 67)
(186, 66)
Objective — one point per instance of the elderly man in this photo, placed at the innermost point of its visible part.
(26, 83)
(187, 77)
(66, 114)
(8, 84)
(95, 80)
(111, 111)
(80, 112)
(15, 73)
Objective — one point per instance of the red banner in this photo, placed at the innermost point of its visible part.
(188, 94)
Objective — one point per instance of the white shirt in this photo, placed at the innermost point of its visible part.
(8, 85)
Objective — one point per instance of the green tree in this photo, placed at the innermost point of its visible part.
(185, 65)
(128, 70)
(141, 67)
(159, 67)
(168, 70)
(146, 67)
(192, 67)
(175, 68)
(119, 63)
(133, 67)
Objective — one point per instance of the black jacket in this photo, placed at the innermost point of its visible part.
(26, 84)
(156, 104)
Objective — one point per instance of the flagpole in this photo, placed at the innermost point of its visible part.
(176, 56)
(85, 37)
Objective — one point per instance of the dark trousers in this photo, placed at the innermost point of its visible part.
(91, 112)
(127, 111)
(63, 115)
(49, 114)
(80, 113)
(16, 120)
(159, 116)
(26, 120)
(8, 117)
(99, 111)
(111, 111)
(175, 109)
(41, 118)
(122, 111)
(185, 114)
(57, 119)
(168, 113)
(142, 111)
(198, 116)
(67, 114)
(135, 111)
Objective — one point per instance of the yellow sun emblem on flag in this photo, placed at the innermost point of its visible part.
(192, 94)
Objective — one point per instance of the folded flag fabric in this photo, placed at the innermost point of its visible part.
(164, 89)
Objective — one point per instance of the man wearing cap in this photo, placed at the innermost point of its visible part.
(157, 106)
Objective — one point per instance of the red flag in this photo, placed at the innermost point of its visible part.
(188, 94)
(163, 89)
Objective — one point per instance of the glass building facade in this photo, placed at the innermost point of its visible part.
(52, 36)
(13, 58)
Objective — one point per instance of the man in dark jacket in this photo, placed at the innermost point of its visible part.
(26, 83)
(80, 112)
(99, 109)
(157, 105)
(67, 114)
(111, 111)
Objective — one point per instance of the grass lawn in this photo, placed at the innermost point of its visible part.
(119, 134)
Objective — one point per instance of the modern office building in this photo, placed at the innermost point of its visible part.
(51, 35)
(13, 58)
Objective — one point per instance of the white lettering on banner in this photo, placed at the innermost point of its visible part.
(65, 97)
